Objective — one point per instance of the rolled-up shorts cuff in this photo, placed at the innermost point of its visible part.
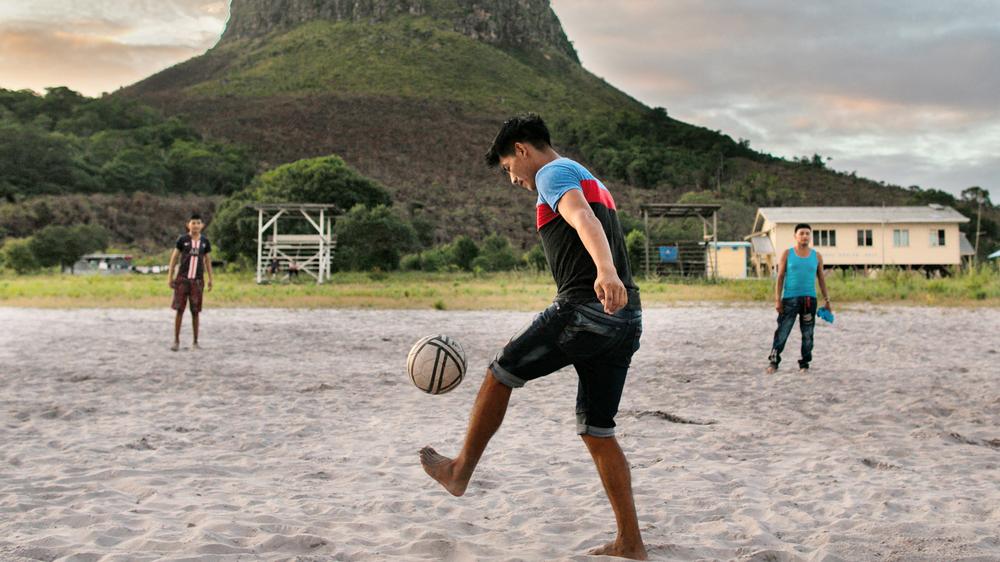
(583, 429)
(505, 376)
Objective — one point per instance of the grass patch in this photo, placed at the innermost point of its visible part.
(467, 291)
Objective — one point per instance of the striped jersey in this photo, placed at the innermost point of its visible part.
(572, 267)
(193, 252)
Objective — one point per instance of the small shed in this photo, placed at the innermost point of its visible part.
(686, 258)
(103, 264)
(730, 258)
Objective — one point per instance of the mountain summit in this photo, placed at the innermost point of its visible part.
(411, 92)
(510, 23)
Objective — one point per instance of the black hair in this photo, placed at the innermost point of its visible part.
(523, 128)
(802, 225)
(194, 217)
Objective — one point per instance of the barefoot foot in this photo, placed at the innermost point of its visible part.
(771, 369)
(620, 550)
(175, 347)
(442, 469)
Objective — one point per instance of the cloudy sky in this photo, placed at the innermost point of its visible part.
(906, 92)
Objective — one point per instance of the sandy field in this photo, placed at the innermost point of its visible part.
(294, 435)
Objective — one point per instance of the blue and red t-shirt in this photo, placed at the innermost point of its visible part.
(572, 267)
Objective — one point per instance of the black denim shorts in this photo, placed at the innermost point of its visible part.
(600, 346)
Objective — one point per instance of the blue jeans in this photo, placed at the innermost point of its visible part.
(803, 308)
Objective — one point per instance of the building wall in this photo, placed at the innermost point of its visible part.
(847, 251)
(732, 261)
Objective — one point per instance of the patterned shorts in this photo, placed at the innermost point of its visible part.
(188, 291)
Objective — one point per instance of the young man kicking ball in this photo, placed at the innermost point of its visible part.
(191, 252)
(594, 323)
(795, 297)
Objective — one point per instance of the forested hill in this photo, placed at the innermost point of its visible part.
(408, 93)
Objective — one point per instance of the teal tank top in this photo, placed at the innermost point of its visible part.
(800, 275)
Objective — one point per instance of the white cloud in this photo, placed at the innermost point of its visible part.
(867, 82)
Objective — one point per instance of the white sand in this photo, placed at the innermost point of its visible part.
(294, 435)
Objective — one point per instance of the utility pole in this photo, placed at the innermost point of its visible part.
(718, 176)
(979, 220)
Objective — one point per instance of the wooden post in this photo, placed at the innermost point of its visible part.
(715, 242)
(322, 247)
(645, 221)
(260, 241)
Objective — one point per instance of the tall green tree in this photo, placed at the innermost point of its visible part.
(374, 238)
(325, 180)
(65, 245)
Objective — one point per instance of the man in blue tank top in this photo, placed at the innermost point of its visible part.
(795, 296)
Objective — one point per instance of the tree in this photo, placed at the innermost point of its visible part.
(535, 258)
(496, 254)
(464, 251)
(326, 180)
(136, 169)
(979, 197)
(976, 195)
(64, 245)
(197, 167)
(370, 239)
(635, 245)
(18, 256)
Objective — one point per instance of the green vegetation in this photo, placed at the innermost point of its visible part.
(64, 245)
(472, 291)
(326, 180)
(17, 255)
(421, 59)
(372, 239)
(63, 142)
(143, 223)
(407, 57)
(52, 246)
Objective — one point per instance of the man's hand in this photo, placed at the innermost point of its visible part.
(610, 291)
(826, 303)
(779, 307)
(171, 283)
(208, 286)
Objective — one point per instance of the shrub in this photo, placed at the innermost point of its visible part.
(464, 251)
(372, 238)
(326, 180)
(535, 258)
(635, 245)
(496, 254)
(18, 256)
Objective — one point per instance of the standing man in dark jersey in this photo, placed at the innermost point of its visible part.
(594, 323)
(795, 297)
(191, 252)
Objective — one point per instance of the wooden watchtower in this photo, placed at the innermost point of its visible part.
(310, 253)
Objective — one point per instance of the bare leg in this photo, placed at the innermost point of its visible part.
(617, 480)
(177, 330)
(194, 324)
(487, 415)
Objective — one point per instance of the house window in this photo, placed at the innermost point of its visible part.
(865, 238)
(937, 237)
(825, 238)
(901, 238)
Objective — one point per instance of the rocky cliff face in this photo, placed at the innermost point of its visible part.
(509, 23)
